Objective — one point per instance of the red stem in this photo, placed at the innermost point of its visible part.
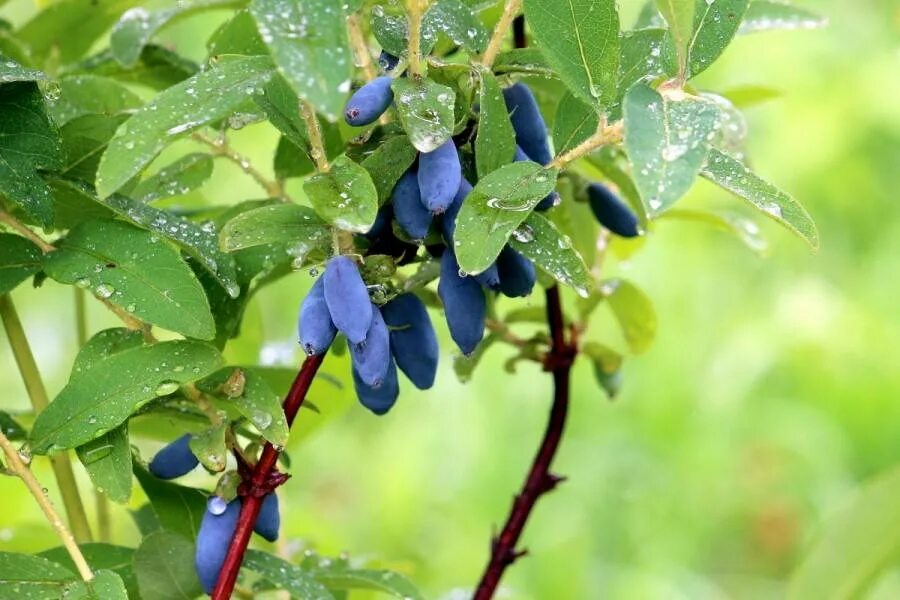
(257, 483)
(540, 480)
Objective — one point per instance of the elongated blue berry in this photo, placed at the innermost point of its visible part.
(414, 343)
(448, 219)
(412, 216)
(381, 399)
(552, 199)
(387, 61)
(464, 304)
(527, 121)
(382, 224)
(517, 273)
(490, 278)
(372, 357)
(316, 329)
(347, 298)
(440, 175)
(611, 212)
(174, 460)
(269, 520)
(216, 529)
(369, 102)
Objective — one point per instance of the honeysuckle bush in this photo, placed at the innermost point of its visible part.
(441, 167)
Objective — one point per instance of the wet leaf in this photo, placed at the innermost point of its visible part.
(299, 582)
(388, 582)
(426, 111)
(456, 20)
(296, 226)
(32, 577)
(495, 144)
(209, 447)
(164, 567)
(539, 240)
(12, 71)
(107, 459)
(255, 399)
(526, 61)
(715, 24)
(176, 508)
(100, 556)
(182, 176)
(344, 196)
(19, 259)
(641, 56)
(679, 14)
(495, 208)
(81, 95)
(575, 122)
(387, 164)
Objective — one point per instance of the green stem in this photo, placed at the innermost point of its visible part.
(34, 385)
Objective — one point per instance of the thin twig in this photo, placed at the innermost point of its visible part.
(415, 10)
(314, 132)
(37, 393)
(605, 135)
(510, 10)
(18, 467)
(258, 485)
(502, 329)
(540, 480)
(362, 55)
(220, 147)
(13, 223)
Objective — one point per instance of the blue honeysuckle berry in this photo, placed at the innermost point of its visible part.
(372, 357)
(464, 304)
(409, 211)
(347, 298)
(528, 123)
(381, 399)
(369, 102)
(316, 330)
(440, 175)
(387, 61)
(216, 530)
(269, 520)
(414, 343)
(174, 460)
(517, 273)
(612, 212)
(490, 278)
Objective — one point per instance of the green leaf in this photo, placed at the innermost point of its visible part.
(286, 576)
(282, 107)
(237, 35)
(290, 224)
(857, 543)
(308, 41)
(30, 143)
(81, 95)
(607, 365)
(19, 259)
(164, 567)
(667, 139)
(138, 26)
(344, 196)
(525, 61)
(100, 556)
(209, 446)
(387, 164)
(392, 34)
(177, 508)
(580, 38)
(737, 225)
(642, 56)
(539, 240)
(426, 111)
(732, 175)
(66, 30)
(11, 71)
(495, 208)
(772, 15)
(135, 270)
(10, 428)
(105, 393)
(106, 585)
(457, 21)
(249, 392)
(185, 174)
(679, 14)
(204, 98)
(495, 144)
(107, 460)
(575, 122)
(715, 24)
(84, 141)
(159, 68)
(387, 582)
(32, 577)
(634, 312)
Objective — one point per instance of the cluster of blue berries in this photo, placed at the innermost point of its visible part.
(221, 516)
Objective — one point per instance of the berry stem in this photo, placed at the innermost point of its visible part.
(37, 393)
(510, 10)
(314, 131)
(252, 502)
(15, 464)
(539, 480)
(362, 56)
(606, 134)
(415, 10)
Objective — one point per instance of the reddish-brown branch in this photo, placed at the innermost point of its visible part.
(540, 480)
(260, 483)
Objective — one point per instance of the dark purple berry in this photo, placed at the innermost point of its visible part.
(372, 357)
(174, 460)
(381, 399)
(382, 224)
(413, 340)
(527, 121)
(440, 175)
(412, 216)
(387, 61)
(269, 520)
(216, 530)
(490, 278)
(316, 329)
(369, 102)
(517, 273)
(464, 304)
(611, 212)
(347, 298)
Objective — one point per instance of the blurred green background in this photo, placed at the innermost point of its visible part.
(768, 398)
